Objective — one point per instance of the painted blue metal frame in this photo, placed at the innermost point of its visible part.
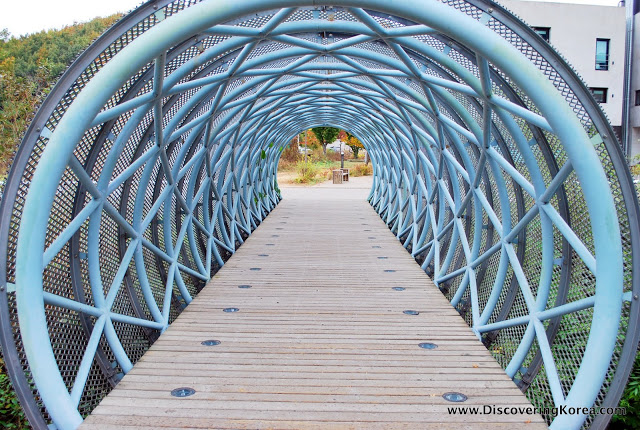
(470, 176)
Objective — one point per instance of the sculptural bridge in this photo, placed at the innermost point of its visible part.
(155, 158)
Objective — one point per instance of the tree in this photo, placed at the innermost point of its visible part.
(308, 138)
(354, 143)
(325, 136)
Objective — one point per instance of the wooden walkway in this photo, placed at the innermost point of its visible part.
(319, 341)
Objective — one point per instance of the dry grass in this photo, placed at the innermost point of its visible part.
(361, 169)
(287, 166)
(290, 154)
(318, 168)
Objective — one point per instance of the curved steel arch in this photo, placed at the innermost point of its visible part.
(156, 156)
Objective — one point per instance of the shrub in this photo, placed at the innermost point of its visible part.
(631, 401)
(307, 172)
(290, 154)
(11, 415)
(361, 170)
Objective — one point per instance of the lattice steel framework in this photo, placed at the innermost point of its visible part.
(155, 157)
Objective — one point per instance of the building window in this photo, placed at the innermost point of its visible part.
(600, 94)
(602, 54)
(637, 97)
(544, 32)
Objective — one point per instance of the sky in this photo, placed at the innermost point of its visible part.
(21, 17)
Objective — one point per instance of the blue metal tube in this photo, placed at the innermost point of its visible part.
(402, 178)
(87, 359)
(63, 302)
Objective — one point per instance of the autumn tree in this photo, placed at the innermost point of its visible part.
(309, 139)
(325, 135)
(354, 143)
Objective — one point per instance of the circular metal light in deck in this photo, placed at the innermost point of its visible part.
(389, 271)
(255, 269)
(398, 288)
(244, 286)
(428, 345)
(411, 312)
(230, 310)
(455, 397)
(183, 392)
(263, 255)
(210, 342)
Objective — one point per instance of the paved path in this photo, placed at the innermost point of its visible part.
(320, 340)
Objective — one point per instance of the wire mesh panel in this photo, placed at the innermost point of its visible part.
(155, 157)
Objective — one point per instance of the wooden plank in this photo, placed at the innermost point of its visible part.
(320, 341)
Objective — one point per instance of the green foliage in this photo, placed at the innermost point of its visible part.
(53, 50)
(631, 401)
(29, 66)
(11, 415)
(276, 188)
(325, 135)
(18, 99)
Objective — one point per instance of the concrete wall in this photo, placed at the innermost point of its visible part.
(574, 30)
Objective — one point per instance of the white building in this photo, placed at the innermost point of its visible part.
(592, 39)
(634, 112)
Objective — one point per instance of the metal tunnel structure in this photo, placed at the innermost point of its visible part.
(156, 154)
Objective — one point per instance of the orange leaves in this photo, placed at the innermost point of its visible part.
(354, 141)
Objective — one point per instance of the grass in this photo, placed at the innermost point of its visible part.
(308, 173)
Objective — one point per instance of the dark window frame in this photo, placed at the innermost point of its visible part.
(600, 94)
(602, 63)
(637, 98)
(544, 32)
